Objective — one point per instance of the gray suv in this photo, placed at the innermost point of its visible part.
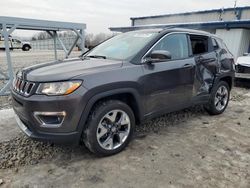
(99, 97)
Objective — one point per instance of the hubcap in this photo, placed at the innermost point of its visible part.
(113, 129)
(221, 98)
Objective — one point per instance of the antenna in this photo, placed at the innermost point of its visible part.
(235, 3)
(237, 13)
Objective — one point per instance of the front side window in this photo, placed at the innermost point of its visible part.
(176, 44)
(16, 41)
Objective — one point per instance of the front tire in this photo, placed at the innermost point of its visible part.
(219, 99)
(110, 127)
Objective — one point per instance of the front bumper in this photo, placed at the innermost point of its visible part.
(242, 69)
(70, 129)
(59, 138)
(242, 73)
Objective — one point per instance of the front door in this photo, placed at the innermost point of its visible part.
(168, 85)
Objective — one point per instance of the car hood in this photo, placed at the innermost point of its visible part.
(67, 69)
(243, 61)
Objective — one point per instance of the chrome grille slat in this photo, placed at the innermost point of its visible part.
(23, 87)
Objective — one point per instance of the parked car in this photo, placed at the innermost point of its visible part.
(15, 44)
(99, 97)
(243, 64)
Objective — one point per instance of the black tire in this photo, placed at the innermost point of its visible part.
(26, 48)
(211, 106)
(96, 116)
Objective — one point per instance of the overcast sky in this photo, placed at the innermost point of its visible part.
(99, 15)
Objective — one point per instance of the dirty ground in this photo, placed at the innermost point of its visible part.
(184, 149)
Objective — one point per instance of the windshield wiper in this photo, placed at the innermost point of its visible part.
(97, 56)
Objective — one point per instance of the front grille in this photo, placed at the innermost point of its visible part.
(242, 69)
(23, 87)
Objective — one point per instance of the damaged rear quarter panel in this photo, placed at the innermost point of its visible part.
(211, 67)
(206, 69)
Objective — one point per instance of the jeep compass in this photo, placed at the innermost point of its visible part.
(99, 97)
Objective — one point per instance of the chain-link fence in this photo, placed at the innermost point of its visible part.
(48, 44)
(42, 51)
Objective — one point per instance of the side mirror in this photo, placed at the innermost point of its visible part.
(157, 56)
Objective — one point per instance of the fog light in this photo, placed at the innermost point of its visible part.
(50, 119)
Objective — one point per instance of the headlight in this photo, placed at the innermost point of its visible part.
(58, 88)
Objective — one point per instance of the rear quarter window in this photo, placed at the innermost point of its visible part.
(215, 44)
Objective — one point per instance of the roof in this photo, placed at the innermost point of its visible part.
(194, 25)
(33, 24)
(194, 12)
(176, 29)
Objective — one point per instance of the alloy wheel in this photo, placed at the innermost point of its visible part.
(221, 98)
(113, 129)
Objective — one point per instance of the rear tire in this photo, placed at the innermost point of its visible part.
(110, 127)
(26, 48)
(219, 99)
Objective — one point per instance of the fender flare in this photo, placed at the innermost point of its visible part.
(219, 77)
(85, 113)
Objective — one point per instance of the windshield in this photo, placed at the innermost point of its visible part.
(123, 46)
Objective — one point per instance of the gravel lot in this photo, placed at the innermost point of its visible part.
(188, 148)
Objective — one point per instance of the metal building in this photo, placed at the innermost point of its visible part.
(230, 24)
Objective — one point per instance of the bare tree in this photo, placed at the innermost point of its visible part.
(91, 40)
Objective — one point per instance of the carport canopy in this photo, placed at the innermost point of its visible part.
(9, 24)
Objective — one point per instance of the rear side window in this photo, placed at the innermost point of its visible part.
(176, 44)
(199, 44)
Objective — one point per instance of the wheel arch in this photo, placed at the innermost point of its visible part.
(228, 80)
(128, 95)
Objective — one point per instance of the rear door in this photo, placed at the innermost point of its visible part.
(168, 85)
(206, 60)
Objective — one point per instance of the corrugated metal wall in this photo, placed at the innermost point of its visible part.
(178, 19)
(237, 40)
(205, 16)
(232, 38)
(245, 42)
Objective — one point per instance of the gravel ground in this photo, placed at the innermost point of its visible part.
(5, 102)
(188, 148)
(24, 151)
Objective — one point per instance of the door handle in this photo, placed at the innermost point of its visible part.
(188, 65)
